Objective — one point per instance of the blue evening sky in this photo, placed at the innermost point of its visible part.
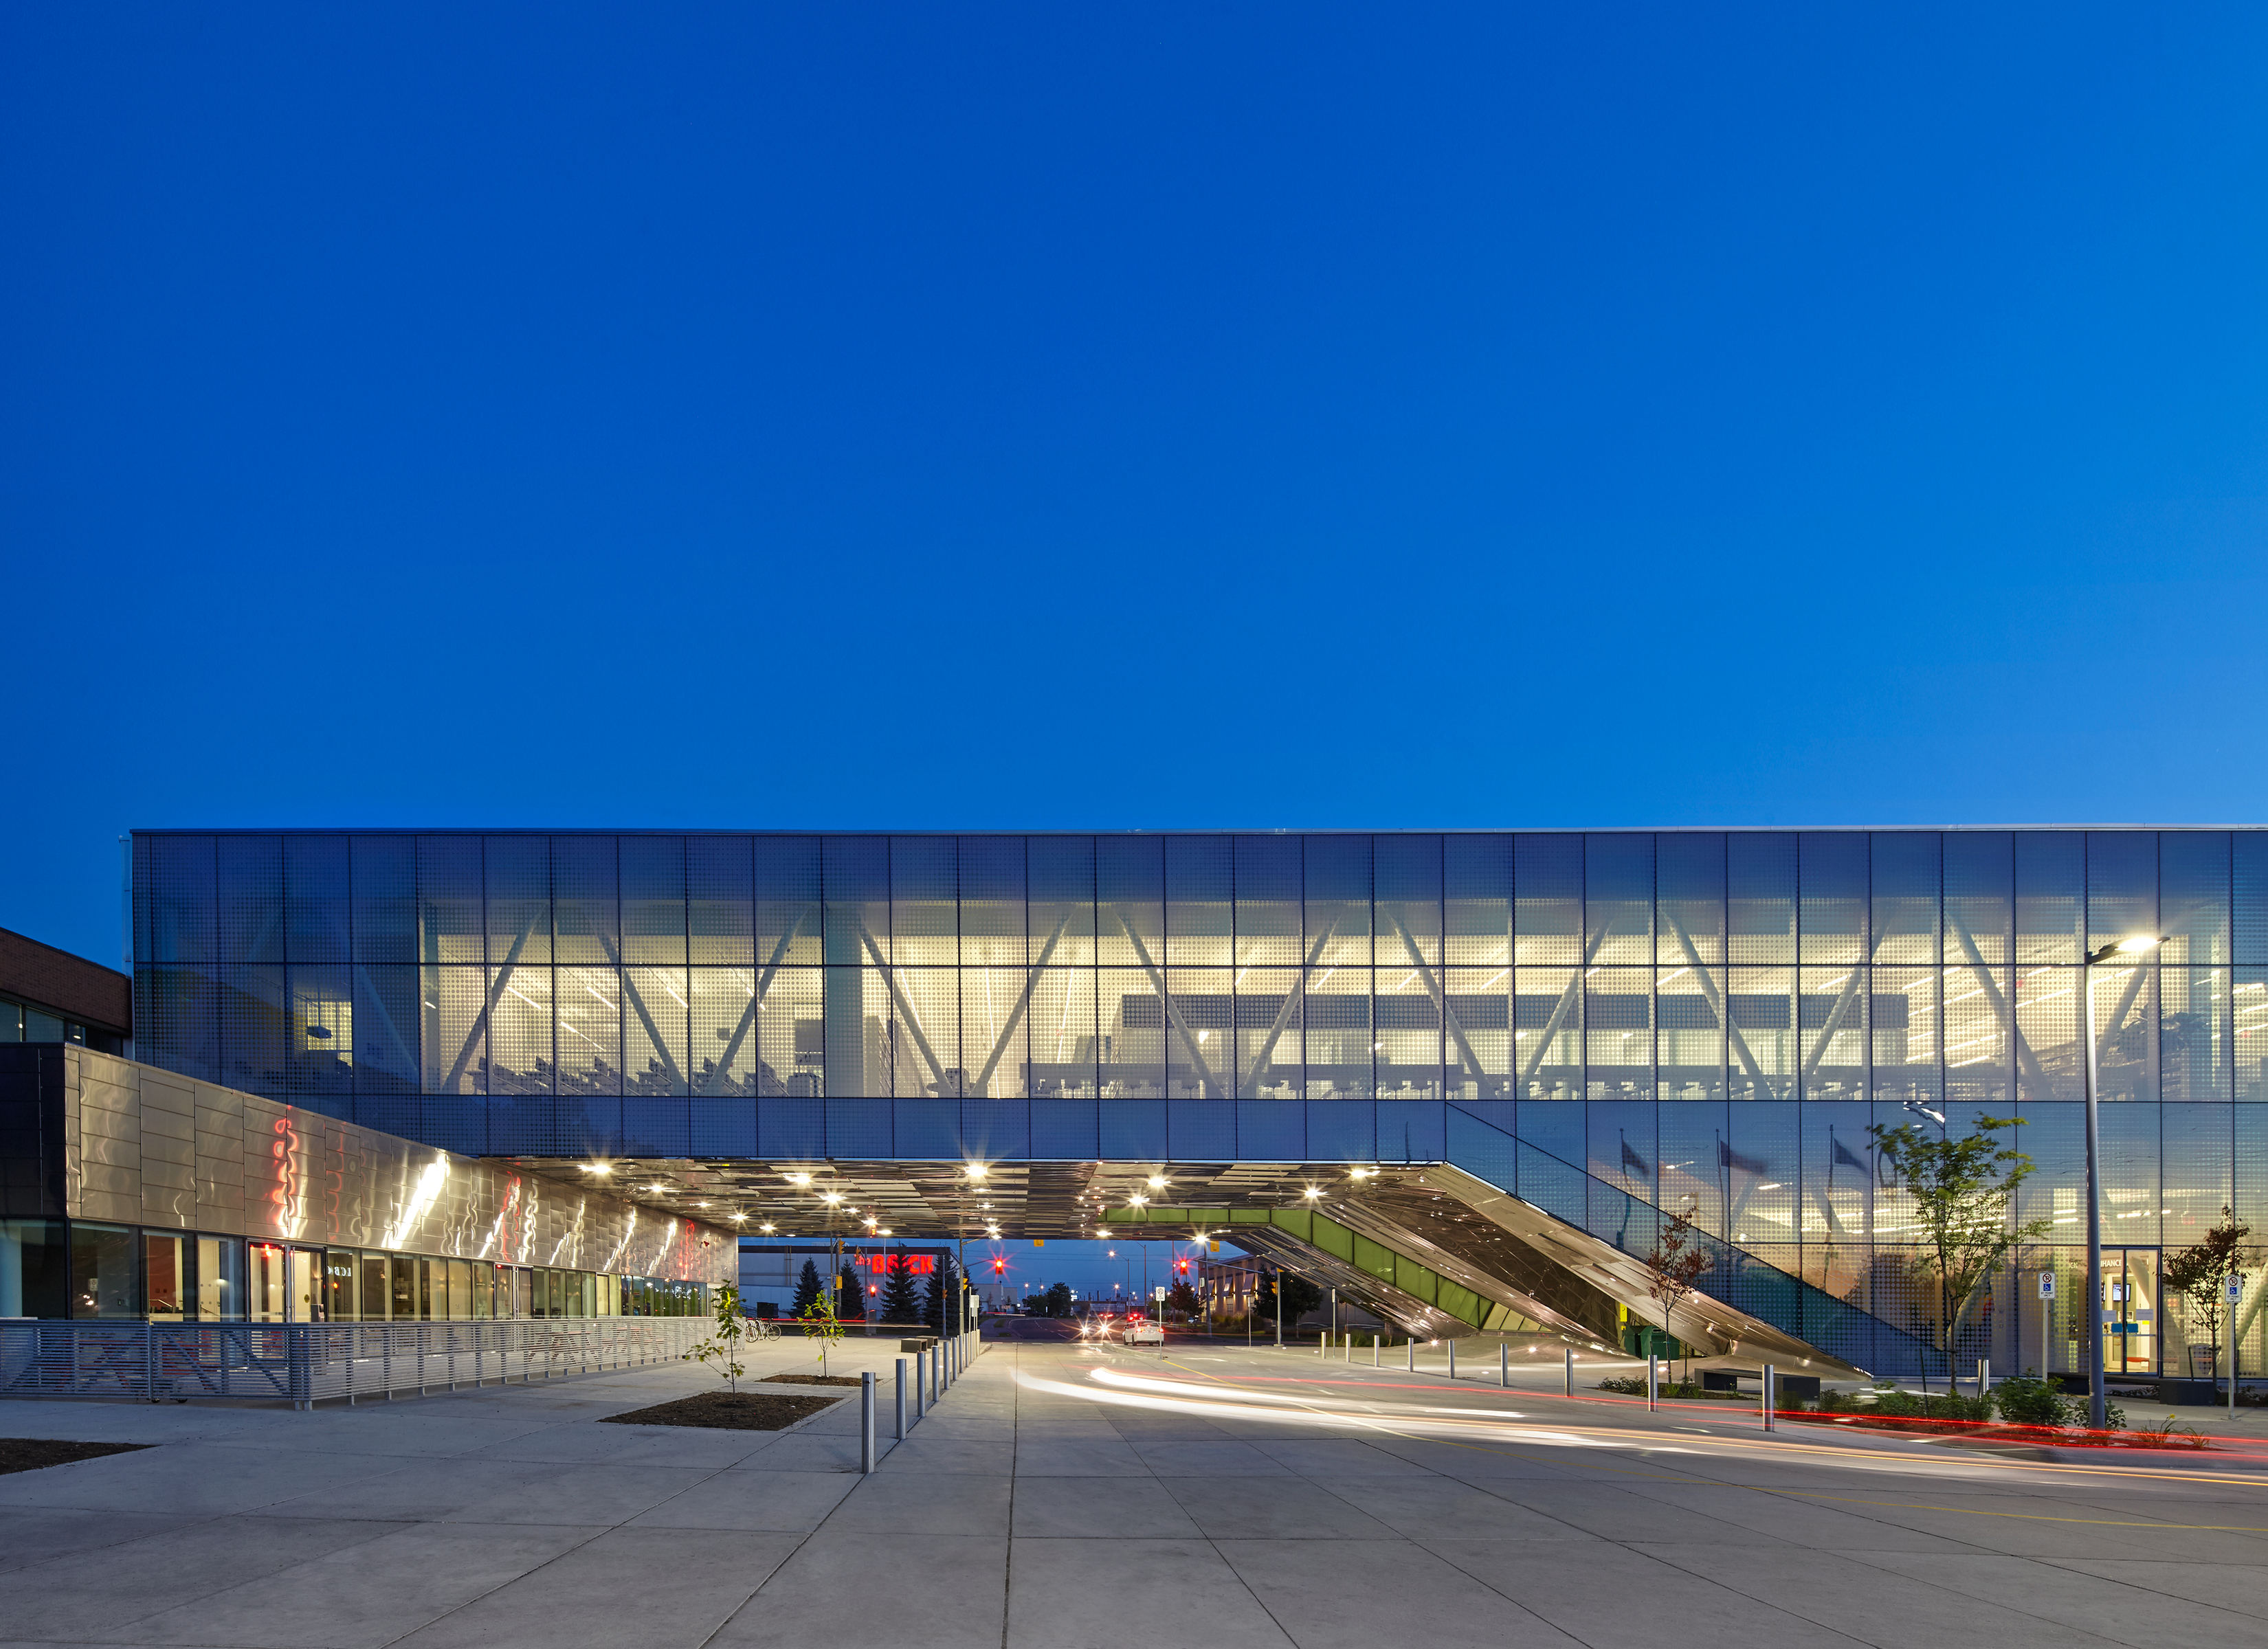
(1223, 415)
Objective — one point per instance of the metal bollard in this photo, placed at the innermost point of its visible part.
(1768, 1396)
(1413, 1357)
(1504, 1365)
(1346, 1347)
(1453, 1357)
(866, 1422)
(921, 1386)
(1376, 1341)
(1571, 1371)
(1653, 1382)
(1983, 1375)
(901, 1400)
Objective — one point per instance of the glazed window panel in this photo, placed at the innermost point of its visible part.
(586, 900)
(590, 1020)
(793, 1032)
(1406, 1050)
(1200, 1038)
(1268, 1061)
(1200, 890)
(862, 1036)
(719, 901)
(1903, 1029)
(450, 922)
(1618, 1034)
(2193, 889)
(1337, 1006)
(1905, 874)
(2122, 886)
(321, 1034)
(1268, 899)
(1476, 900)
(1548, 882)
(790, 930)
(1130, 885)
(1408, 871)
(1761, 1031)
(454, 1029)
(316, 887)
(1831, 917)
(1478, 1031)
(925, 918)
(1063, 1038)
(1760, 897)
(992, 916)
(2248, 1042)
(516, 872)
(1690, 898)
(1832, 1016)
(1980, 880)
(996, 1027)
(726, 1051)
(385, 899)
(521, 1055)
(2050, 889)
(1060, 918)
(2194, 1019)
(1132, 1050)
(2125, 1013)
(1548, 1032)
(2047, 1022)
(1976, 1029)
(251, 869)
(653, 900)
(1618, 898)
(656, 1021)
(1338, 900)
(1690, 1033)
(924, 1032)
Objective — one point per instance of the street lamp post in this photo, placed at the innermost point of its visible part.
(2097, 1414)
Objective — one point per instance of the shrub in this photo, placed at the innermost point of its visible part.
(2029, 1400)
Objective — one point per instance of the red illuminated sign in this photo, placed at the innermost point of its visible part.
(912, 1264)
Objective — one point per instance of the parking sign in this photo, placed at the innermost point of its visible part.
(2236, 1289)
(2047, 1285)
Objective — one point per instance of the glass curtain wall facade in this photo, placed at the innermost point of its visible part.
(1703, 1020)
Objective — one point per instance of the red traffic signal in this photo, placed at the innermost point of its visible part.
(999, 1266)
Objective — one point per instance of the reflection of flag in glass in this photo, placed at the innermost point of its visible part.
(1632, 1162)
(1729, 1158)
(1843, 1155)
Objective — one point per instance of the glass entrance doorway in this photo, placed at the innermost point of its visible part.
(2131, 1324)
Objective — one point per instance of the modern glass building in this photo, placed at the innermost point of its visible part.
(1597, 1026)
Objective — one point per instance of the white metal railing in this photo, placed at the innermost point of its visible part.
(302, 1363)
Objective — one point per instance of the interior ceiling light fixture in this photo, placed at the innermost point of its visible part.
(976, 1170)
(1157, 1181)
(1138, 1200)
(1313, 1191)
(799, 1179)
(657, 1189)
(830, 1198)
(767, 1226)
(600, 1168)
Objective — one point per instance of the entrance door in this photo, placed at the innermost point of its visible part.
(2130, 1311)
(306, 1288)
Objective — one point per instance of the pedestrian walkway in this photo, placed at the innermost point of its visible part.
(1061, 1497)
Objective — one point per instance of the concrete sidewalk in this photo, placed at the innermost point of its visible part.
(1064, 1513)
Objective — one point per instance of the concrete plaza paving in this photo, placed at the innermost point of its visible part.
(1060, 1497)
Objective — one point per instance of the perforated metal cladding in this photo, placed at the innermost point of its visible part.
(974, 971)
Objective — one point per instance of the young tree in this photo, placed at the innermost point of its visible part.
(723, 1351)
(851, 1296)
(901, 1301)
(1962, 1190)
(2201, 1274)
(808, 1289)
(1183, 1298)
(821, 1323)
(1677, 1262)
(1059, 1301)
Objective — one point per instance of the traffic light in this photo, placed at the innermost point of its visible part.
(999, 1266)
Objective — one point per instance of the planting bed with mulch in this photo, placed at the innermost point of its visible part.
(29, 1454)
(809, 1379)
(721, 1410)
